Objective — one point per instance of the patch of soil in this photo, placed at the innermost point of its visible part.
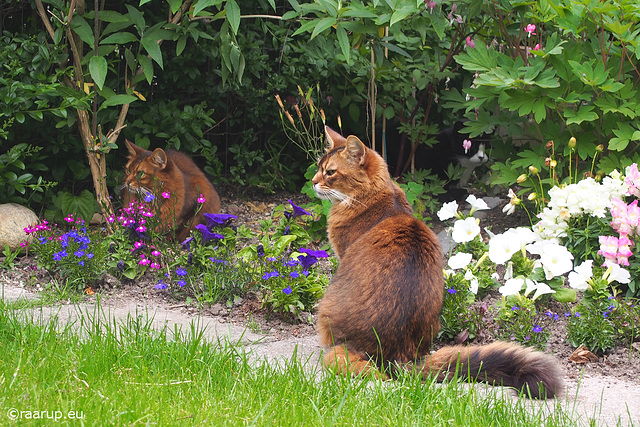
(621, 363)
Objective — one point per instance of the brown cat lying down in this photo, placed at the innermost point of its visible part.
(382, 307)
(171, 173)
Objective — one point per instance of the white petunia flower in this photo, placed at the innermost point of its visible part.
(448, 211)
(476, 204)
(556, 260)
(511, 287)
(473, 281)
(618, 274)
(465, 230)
(502, 247)
(580, 276)
(542, 289)
(460, 260)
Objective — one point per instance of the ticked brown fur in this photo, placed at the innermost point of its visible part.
(158, 171)
(381, 310)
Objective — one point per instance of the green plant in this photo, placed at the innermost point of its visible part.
(13, 163)
(9, 257)
(590, 326)
(519, 320)
(555, 71)
(458, 318)
(72, 256)
(422, 189)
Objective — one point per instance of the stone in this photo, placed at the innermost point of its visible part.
(13, 220)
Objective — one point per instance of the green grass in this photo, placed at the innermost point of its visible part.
(127, 373)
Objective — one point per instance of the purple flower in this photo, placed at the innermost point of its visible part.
(149, 198)
(206, 234)
(181, 271)
(287, 290)
(218, 220)
(297, 210)
(186, 243)
(260, 250)
(294, 274)
(120, 266)
(81, 263)
(452, 291)
(537, 329)
(317, 254)
(307, 261)
(160, 285)
(291, 263)
(181, 283)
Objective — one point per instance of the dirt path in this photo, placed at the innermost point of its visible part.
(605, 399)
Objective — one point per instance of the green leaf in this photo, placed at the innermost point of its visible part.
(175, 5)
(478, 59)
(119, 38)
(137, 18)
(322, 25)
(565, 295)
(118, 100)
(400, 14)
(98, 70)
(584, 114)
(153, 49)
(147, 67)
(343, 41)
(81, 27)
(203, 4)
(233, 15)
(83, 205)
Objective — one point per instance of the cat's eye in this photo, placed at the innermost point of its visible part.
(140, 175)
(330, 172)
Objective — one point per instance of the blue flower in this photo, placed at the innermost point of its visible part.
(160, 285)
(537, 329)
(42, 240)
(291, 263)
(78, 253)
(294, 274)
(260, 250)
(317, 254)
(452, 291)
(287, 290)
(81, 263)
(514, 308)
(149, 198)
(90, 255)
(181, 271)
(120, 266)
(271, 274)
(181, 283)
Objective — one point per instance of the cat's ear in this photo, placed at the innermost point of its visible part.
(334, 139)
(159, 158)
(356, 150)
(134, 150)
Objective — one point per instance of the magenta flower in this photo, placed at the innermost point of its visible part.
(530, 29)
(470, 43)
(430, 5)
(537, 47)
(166, 194)
(201, 199)
(466, 144)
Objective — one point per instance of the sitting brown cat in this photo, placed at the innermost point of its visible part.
(171, 173)
(383, 304)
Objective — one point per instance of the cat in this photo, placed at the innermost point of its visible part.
(174, 174)
(381, 309)
(448, 149)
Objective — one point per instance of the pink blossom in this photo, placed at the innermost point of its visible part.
(470, 43)
(608, 247)
(201, 199)
(624, 251)
(166, 194)
(537, 47)
(156, 253)
(466, 144)
(632, 180)
(430, 5)
(144, 261)
(530, 29)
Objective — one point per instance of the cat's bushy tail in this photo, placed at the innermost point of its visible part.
(500, 363)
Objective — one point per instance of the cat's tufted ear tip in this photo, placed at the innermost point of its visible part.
(334, 139)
